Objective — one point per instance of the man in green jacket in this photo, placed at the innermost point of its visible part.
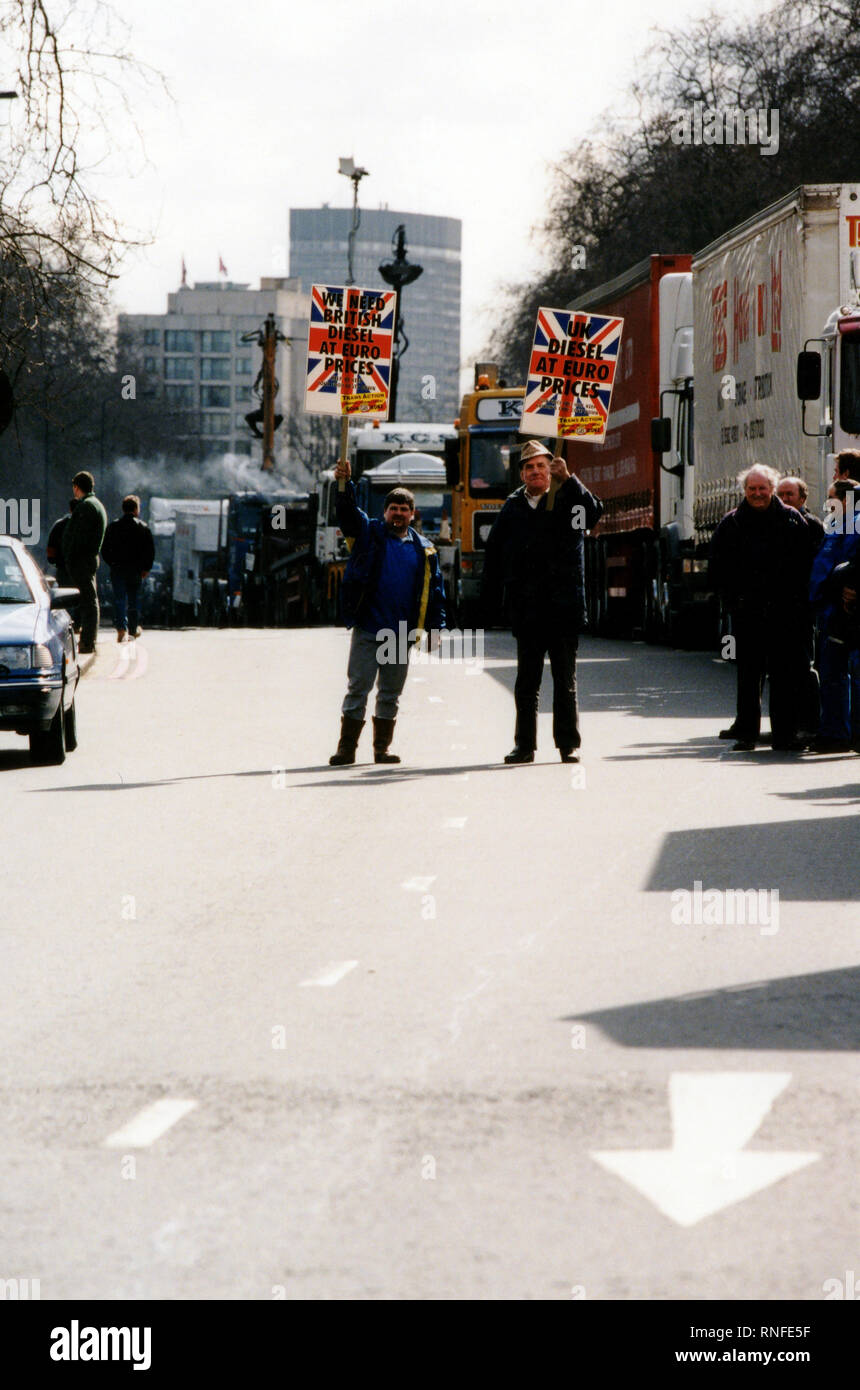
(82, 541)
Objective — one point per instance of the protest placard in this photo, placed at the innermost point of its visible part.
(350, 343)
(571, 374)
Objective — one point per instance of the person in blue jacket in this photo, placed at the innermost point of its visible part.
(392, 592)
(839, 729)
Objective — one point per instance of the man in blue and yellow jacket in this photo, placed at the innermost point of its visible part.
(392, 591)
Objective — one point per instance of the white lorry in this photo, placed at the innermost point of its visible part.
(775, 316)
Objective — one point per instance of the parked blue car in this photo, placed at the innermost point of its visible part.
(39, 669)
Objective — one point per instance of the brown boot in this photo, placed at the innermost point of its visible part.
(383, 733)
(350, 730)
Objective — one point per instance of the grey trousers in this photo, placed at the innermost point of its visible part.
(362, 673)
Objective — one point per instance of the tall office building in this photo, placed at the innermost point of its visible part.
(196, 358)
(429, 387)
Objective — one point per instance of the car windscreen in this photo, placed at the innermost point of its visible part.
(494, 462)
(13, 583)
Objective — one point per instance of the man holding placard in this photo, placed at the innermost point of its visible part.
(534, 575)
(392, 592)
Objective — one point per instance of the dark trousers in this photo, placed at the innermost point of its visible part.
(532, 646)
(126, 588)
(88, 606)
(773, 648)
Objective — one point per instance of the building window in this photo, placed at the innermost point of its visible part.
(215, 423)
(151, 337)
(241, 446)
(178, 340)
(243, 366)
(240, 422)
(215, 340)
(215, 368)
(215, 395)
(217, 446)
(180, 395)
(152, 364)
(241, 394)
(178, 369)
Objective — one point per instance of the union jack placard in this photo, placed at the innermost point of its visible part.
(350, 341)
(571, 373)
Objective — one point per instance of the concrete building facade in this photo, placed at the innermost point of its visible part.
(430, 369)
(194, 356)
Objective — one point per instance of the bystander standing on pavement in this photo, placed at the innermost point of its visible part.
(534, 575)
(839, 728)
(793, 492)
(760, 567)
(392, 591)
(82, 541)
(129, 550)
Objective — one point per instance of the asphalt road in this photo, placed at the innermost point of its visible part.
(443, 1030)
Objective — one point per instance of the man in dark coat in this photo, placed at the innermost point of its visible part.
(130, 551)
(534, 575)
(392, 591)
(54, 547)
(760, 555)
(82, 541)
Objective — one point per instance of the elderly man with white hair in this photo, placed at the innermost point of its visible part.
(759, 566)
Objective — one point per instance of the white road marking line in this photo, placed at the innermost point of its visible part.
(149, 1124)
(419, 884)
(435, 699)
(454, 822)
(331, 974)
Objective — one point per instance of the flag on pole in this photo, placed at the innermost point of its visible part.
(184, 273)
(222, 269)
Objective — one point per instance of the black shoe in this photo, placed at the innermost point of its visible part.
(730, 732)
(569, 755)
(830, 745)
(743, 745)
(521, 755)
(789, 745)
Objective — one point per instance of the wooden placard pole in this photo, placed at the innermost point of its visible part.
(554, 483)
(344, 449)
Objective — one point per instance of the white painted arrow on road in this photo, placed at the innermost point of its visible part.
(707, 1167)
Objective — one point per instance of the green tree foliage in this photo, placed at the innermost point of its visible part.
(639, 192)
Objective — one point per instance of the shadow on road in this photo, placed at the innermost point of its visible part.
(803, 1012)
(804, 860)
(635, 678)
(368, 773)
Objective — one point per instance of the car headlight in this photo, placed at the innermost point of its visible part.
(16, 658)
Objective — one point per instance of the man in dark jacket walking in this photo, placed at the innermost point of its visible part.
(130, 551)
(392, 591)
(82, 541)
(534, 575)
(760, 556)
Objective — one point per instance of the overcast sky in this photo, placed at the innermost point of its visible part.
(455, 108)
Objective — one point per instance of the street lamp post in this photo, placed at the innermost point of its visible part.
(349, 169)
(397, 273)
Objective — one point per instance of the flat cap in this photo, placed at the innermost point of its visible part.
(532, 448)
